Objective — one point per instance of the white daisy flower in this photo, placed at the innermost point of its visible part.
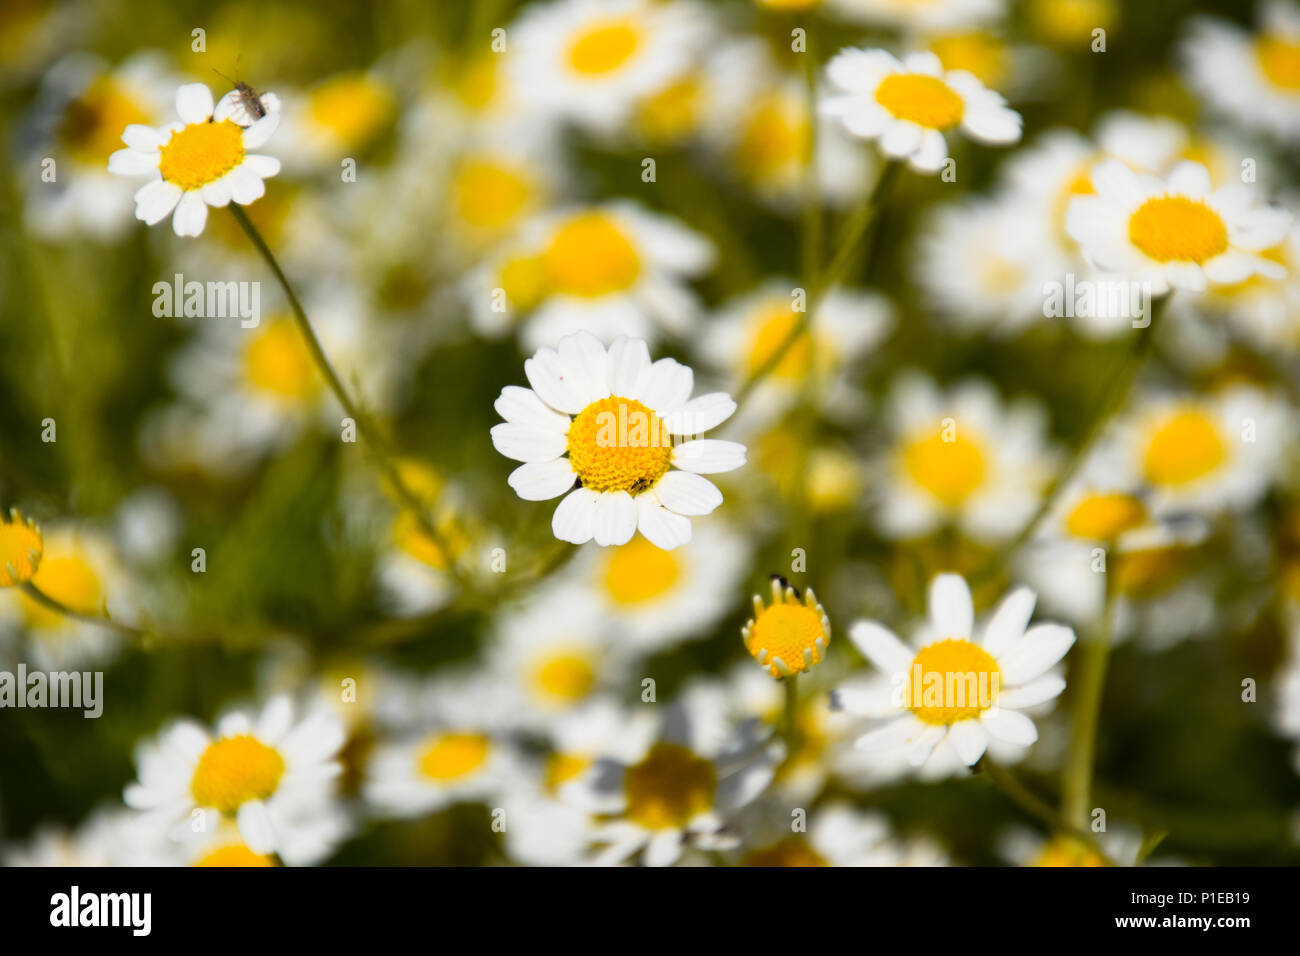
(680, 791)
(908, 106)
(924, 16)
(598, 428)
(1249, 79)
(950, 686)
(962, 458)
(1176, 232)
(653, 598)
(611, 269)
(590, 61)
(838, 834)
(201, 161)
(268, 774)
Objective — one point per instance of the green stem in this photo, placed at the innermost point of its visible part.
(790, 717)
(58, 607)
(365, 426)
(1035, 806)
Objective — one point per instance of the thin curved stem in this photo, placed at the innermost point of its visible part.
(790, 716)
(58, 607)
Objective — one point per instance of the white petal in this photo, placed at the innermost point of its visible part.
(264, 167)
(274, 721)
(969, 739)
(993, 125)
(191, 215)
(686, 493)
(881, 646)
(868, 121)
(933, 152)
(216, 194)
(1010, 726)
(153, 201)
(144, 138)
(708, 456)
(244, 185)
(901, 139)
(893, 734)
(253, 819)
(924, 744)
(585, 360)
(194, 103)
(255, 136)
(629, 359)
(1041, 647)
(666, 386)
(660, 526)
(526, 443)
(1190, 178)
(575, 516)
(553, 385)
(1037, 691)
(132, 162)
(542, 480)
(951, 610)
(700, 414)
(664, 848)
(1009, 621)
(615, 518)
(523, 407)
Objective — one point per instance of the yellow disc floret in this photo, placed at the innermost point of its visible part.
(669, 788)
(1178, 229)
(791, 634)
(235, 770)
(1104, 516)
(277, 363)
(618, 444)
(201, 153)
(925, 100)
(449, 757)
(604, 46)
(565, 677)
(950, 470)
(1279, 58)
(234, 854)
(21, 547)
(951, 680)
(639, 572)
(1183, 447)
(589, 256)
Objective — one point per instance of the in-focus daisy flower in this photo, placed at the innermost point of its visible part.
(838, 835)
(1175, 232)
(21, 547)
(590, 61)
(925, 16)
(274, 777)
(653, 598)
(611, 269)
(951, 687)
(1207, 452)
(1252, 80)
(680, 791)
(909, 106)
(201, 161)
(598, 428)
(789, 636)
(961, 458)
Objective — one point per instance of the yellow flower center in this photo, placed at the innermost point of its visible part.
(773, 330)
(925, 100)
(92, 124)
(639, 572)
(1279, 58)
(561, 768)
(775, 138)
(1175, 228)
(1064, 851)
(792, 851)
(565, 678)
(604, 46)
(490, 195)
(234, 770)
(786, 631)
(351, 108)
(589, 256)
(70, 580)
(451, 757)
(20, 549)
(1183, 447)
(669, 788)
(236, 854)
(672, 113)
(951, 680)
(201, 153)
(1104, 516)
(950, 470)
(277, 362)
(618, 444)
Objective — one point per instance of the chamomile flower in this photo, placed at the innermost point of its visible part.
(597, 427)
(838, 835)
(653, 598)
(589, 61)
(1249, 79)
(962, 458)
(611, 269)
(678, 793)
(909, 106)
(201, 161)
(789, 636)
(951, 687)
(270, 775)
(1175, 232)
(21, 547)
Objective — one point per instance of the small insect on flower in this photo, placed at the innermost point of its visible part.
(21, 547)
(789, 636)
(245, 105)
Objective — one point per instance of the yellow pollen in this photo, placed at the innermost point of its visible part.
(1175, 228)
(561, 768)
(566, 678)
(70, 580)
(1279, 58)
(638, 572)
(605, 46)
(1064, 851)
(1105, 516)
(490, 195)
(236, 854)
(1185, 446)
(21, 547)
(92, 124)
(925, 100)
(669, 788)
(589, 256)
(957, 680)
(450, 757)
(950, 470)
(201, 153)
(791, 851)
(352, 108)
(277, 362)
(618, 444)
(235, 770)
(775, 138)
(773, 329)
